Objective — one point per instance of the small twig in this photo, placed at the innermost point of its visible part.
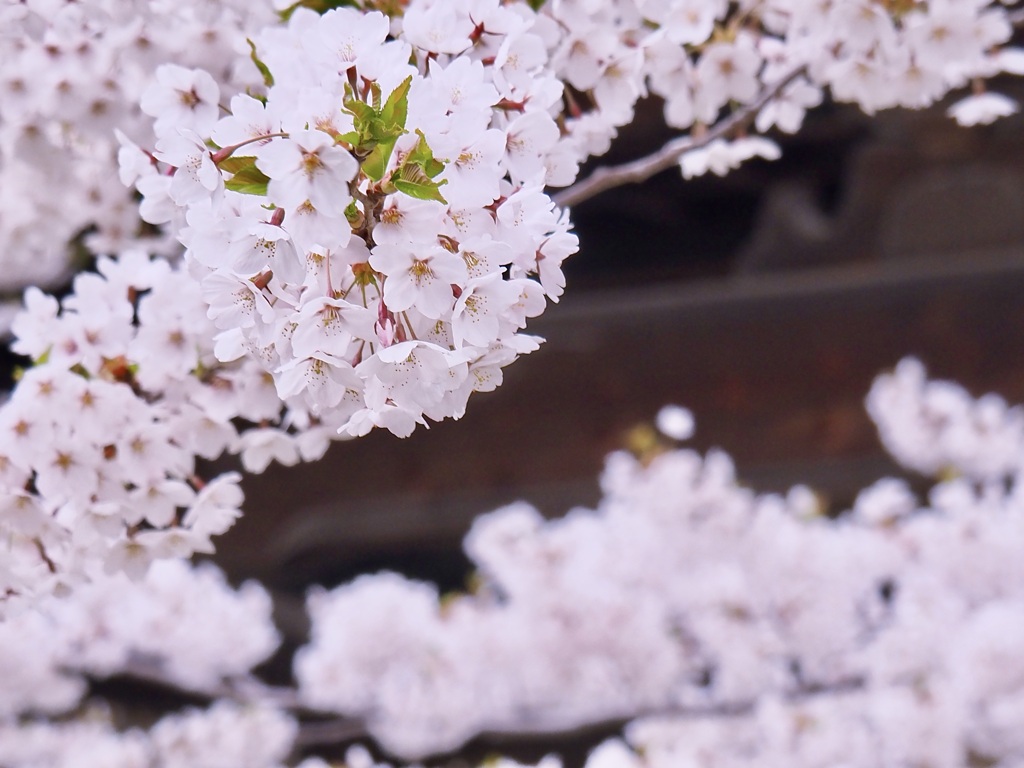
(51, 566)
(637, 171)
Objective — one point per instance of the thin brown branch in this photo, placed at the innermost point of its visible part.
(636, 171)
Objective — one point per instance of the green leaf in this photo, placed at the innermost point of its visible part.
(249, 180)
(396, 108)
(411, 180)
(235, 164)
(363, 113)
(422, 156)
(377, 161)
(268, 78)
(379, 132)
(258, 96)
(420, 191)
(377, 128)
(246, 188)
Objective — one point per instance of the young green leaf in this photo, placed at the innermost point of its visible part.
(363, 113)
(422, 156)
(377, 161)
(411, 180)
(249, 180)
(236, 164)
(428, 191)
(268, 78)
(396, 108)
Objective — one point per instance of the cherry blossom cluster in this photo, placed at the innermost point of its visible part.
(374, 228)
(877, 55)
(184, 623)
(384, 285)
(710, 60)
(936, 427)
(70, 74)
(99, 439)
(226, 735)
(374, 232)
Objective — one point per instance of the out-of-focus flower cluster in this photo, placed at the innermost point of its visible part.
(935, 427)
(709, 58)
(684, 592)
(182, 623)
(99, 440)
(225, 735)
(371, 230)
(70, 74)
